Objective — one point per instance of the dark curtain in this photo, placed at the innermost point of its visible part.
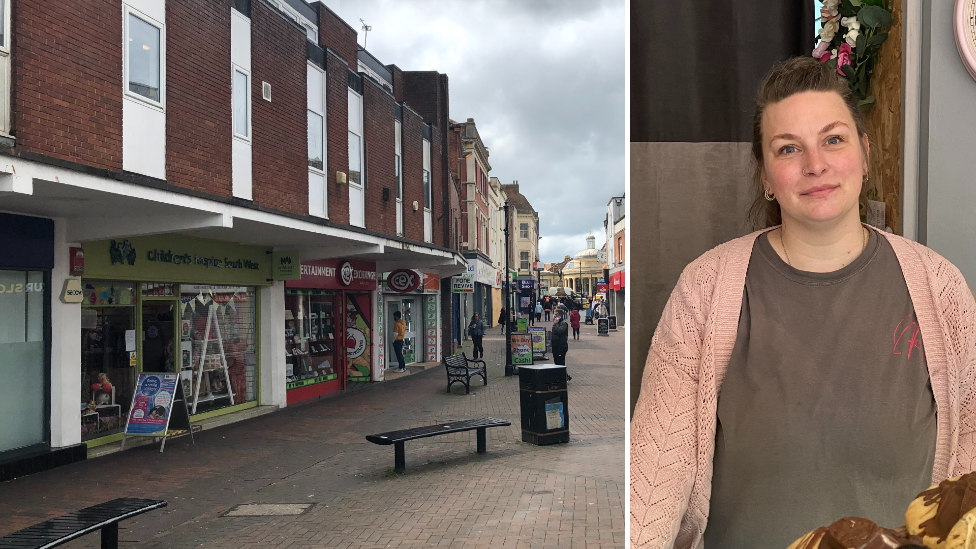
(694, 66)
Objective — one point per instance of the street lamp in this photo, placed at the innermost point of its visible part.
(509, 367)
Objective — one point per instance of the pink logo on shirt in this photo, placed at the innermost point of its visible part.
(908, 325)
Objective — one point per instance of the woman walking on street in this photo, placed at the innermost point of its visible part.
(503, 318)
(574, 321)
(400, 329)
(477, 332)
(560, 341)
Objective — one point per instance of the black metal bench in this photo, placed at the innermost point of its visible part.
(399, 437)
(104, 516)
(460, 369)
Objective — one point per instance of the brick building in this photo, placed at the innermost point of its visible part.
(164, 169)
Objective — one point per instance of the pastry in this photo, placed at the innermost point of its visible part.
(857, 533)
(936, 511)
(963, 534)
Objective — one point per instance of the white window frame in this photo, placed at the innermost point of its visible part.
(358, 134)
(325, 125)
(128, 11)
(398, 159)
(429, 184)
(5, 44)
(527, 264)
(524, 231)
(235, 68)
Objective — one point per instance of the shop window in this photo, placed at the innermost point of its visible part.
(143, 63)
(108, 356)
(23, 359)
(310, 338)
(218, 345)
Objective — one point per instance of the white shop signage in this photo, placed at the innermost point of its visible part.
(484, 273)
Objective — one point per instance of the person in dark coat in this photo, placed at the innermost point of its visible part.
(477, 332)
(574, 321)
(503, 318)
(560, 340)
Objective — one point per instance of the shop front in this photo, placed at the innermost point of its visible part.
(329, 320)
(26, 261)
(416, 296)
(486, 279)
(618, 283)
(168, 303)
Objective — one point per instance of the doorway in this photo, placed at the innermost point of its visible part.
(158, 352)
(407, 307)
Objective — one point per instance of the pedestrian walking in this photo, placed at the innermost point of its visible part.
(538, 311)
(400, 329)
(547, 307)
(574, 321)
(560, 341)
(503, 318)
(477, 332)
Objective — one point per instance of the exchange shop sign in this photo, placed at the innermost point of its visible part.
(336, 274)
(176, 258)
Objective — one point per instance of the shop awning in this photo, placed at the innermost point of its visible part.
(98, 208)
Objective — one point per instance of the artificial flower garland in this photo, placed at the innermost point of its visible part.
(851, 35)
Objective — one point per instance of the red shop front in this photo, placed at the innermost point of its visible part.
(329, 327)
(618, 280)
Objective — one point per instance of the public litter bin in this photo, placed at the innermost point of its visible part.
(545, 411)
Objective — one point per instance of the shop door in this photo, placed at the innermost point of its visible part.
(412, 316)
(158, 352)
(391, 359)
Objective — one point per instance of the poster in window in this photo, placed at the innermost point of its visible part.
(358, 337)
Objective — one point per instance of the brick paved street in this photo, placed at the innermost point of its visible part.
(517, 495)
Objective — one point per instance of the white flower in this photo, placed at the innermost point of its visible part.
(831, 4)
(851, 23)
(833, 53)
(851, 37)
(828, 31)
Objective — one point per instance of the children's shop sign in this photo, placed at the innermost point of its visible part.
(174, 258)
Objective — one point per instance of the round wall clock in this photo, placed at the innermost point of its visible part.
(964, 25)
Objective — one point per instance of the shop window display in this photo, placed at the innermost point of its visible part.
(218, 346)
(310, 337)
(108, 318)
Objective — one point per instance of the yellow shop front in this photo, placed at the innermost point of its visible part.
(169, 303)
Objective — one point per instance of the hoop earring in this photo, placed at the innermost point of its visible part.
(767, 195)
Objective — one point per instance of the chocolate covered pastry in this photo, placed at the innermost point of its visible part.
(857, 533)
(944, 514)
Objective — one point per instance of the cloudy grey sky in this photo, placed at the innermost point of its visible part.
(544, 81)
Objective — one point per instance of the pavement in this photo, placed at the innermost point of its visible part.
(315, 457)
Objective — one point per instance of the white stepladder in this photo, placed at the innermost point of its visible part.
(213, 327)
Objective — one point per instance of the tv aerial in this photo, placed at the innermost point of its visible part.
(366, 29)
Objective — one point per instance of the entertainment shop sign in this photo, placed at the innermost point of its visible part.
(336, 274)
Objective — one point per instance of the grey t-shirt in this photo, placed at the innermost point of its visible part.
(826, 409)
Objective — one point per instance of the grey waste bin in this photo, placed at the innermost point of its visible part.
(545, 404)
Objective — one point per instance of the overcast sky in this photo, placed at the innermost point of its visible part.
(543, 80)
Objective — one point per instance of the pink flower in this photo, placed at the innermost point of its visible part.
(825, 57)
(821, 50)
(843, 57)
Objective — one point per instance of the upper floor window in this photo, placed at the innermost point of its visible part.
(524, 230)
(311, 33)
(3, 24)
(427, 192)
(524, 261)
(242, 100)
(620, 250)
(143, 63)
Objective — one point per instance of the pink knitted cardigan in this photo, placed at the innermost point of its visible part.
(673, 428)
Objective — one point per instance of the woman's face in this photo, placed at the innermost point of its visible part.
(813, 161)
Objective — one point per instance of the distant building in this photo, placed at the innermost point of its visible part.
(615, 226)
(525, 238)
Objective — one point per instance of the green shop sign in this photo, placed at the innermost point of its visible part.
(175, 258)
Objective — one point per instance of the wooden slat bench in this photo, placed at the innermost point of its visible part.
(461, 370)
(399, 437)
(104, 516)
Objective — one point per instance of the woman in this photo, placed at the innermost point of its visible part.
(787, 384)
(399, 331)
(503, 318)
(477, 332)
(574, 321)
